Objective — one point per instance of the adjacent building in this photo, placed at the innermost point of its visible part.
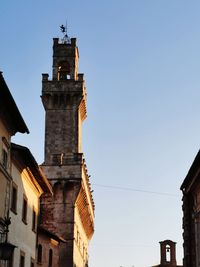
(11, 122)
(167, 254)
(28, 184)
(47, 248)
(69, 213)
(191, 215)
(22, 182)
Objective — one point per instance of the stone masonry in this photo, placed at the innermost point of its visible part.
(70, 212)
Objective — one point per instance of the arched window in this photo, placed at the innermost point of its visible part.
(39, 254)
(50, 258)
(64, 71)
(168, 253)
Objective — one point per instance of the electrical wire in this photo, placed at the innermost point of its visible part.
(135, 190)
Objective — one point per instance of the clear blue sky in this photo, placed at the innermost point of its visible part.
(141, 60)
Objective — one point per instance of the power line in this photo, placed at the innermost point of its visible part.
(104, 244)
(135, 190)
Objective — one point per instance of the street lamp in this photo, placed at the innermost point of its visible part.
(6, 248)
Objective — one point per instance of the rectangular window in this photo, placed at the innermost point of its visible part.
(34, 220)
(5, 149)
(50, 258)
(24, 209)
(5, 158)
(39, 254)
(32, 263)
(22, 259)
(14, 198)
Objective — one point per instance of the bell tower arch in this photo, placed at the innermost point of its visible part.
(168, 253)
(65, 60)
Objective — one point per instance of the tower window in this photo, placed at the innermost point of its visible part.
(168, 253)
(63, 71)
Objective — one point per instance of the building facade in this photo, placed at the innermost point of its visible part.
(28, 184)
(191, 215)
(47, 248)
(22, 182)
(69, 213)
(11, 122)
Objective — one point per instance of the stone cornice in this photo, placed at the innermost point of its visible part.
(87, 185)
(85, 213)
(82, 109)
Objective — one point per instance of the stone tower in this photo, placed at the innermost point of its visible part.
(70, 212)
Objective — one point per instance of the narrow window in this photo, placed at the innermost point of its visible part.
(14, 198)
(83, 252)
(24, 209)
(34, 220)
(168, 252)
(5, 158)
(39, 255)
(50, 258)
(22, 259)
(32, 263)
(77, 236)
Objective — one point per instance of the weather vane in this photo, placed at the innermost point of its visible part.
(65, 38)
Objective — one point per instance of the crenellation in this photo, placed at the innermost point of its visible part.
(66, 86)
(62, 172)
(45, 76)
(81, 77)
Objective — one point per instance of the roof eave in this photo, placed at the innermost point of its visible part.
(191, 173)
(30, 162)
(12, 114)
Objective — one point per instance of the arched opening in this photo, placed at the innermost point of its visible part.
(64, 71)
(168, 253)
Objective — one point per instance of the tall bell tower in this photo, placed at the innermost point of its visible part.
(69, 213)
(64, 100)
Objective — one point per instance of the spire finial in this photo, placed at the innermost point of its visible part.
(65, 39)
